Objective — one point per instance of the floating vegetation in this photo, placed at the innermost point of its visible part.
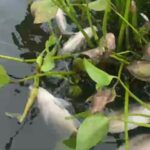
(105, 54)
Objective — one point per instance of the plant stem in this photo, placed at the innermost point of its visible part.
(18, 59)
(134, 96)
(119, 59)
(123, 25)
(91, 24)
(105, 18)
(126, 107)
(53, 74)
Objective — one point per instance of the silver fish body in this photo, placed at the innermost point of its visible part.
(62, 22)
(139, 142)
(116, 125)
(76, 41)
(54, 112)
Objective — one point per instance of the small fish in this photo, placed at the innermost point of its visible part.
(76, 41)
(116, 125)
(61, 22)
(94, 54)
(144, 17)
(140, 70)
(54, 111)
(139, 142)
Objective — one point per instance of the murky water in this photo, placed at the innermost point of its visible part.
(19, 38)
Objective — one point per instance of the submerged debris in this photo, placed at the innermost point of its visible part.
(140, 70)
(139, 142)
(117, 118)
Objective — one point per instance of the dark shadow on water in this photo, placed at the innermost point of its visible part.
(29, 35)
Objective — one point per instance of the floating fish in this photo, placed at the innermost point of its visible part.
(54, 111)
(108, 42)
(139, 142)
(101, 98)
(76, 41)
(116, 125)
(61, 22)
(140, 70)
(107, 46)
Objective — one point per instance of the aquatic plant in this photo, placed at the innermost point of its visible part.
(118, 19)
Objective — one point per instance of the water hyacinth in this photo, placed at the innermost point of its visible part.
(76, 41)
(54, 112)
(139, 142)
(140, 70)
(116, 124)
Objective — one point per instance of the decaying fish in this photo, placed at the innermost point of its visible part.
(110, 41)
(54, 111)
(101, 98)
(140, 70)
(116, 124)
(61, 22)
(139, 142)
(76, 41)
(107, 46)
(94, 54)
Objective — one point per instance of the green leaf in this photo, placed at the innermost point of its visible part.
(39, 59)
(43, 10)
(50, 42)
(48, 63)
(4, 78)
(99, 76)
(92, 131)
(98, 5)
(13, 115)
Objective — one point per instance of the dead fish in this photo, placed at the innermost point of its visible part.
(94, 54)
(107, 46)
(139, 142)
(140, 70)
(62, 22)
(108, 42)
(76, 41)
(116, 125)
(101, 98)
(54, 112)
(144, 17)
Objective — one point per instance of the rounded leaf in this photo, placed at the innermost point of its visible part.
(92, 131)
